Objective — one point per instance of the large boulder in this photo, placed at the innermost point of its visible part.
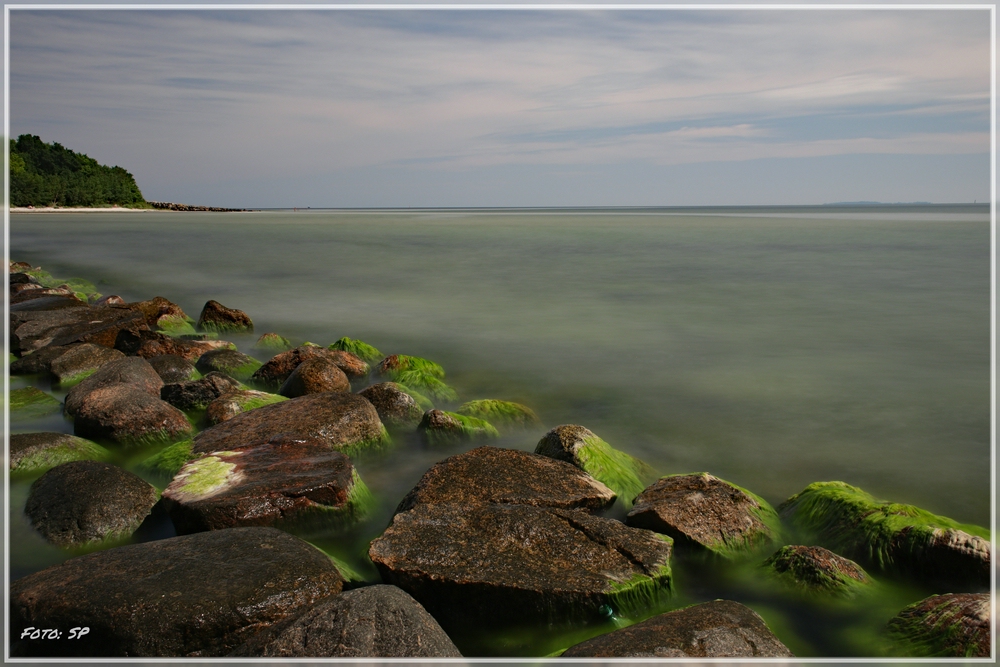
(126, 415)
(285, 481)
(494, 565)
(131, 371)
(173, 368)
(149, 344)
(372, 622)
(315, 376)
(625, 475)
(231, 362)
(719, 629)
(88, 501)
(164, 315)
(277, 369)
(439, 427)
(346, 422)
(495, 475)
(396, 408)
(196, 595)
(705, 514)
(32, 453)
(101, 325)
(232, 403)
(818, 570)
(197, 395)
(891, 537)
(80, 362)
(952, 626)
(216, 317)
(40, 361)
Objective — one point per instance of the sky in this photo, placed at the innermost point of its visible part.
(474, 107)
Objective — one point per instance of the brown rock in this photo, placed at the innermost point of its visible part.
(40, 361)
(232, 403)
(198, 394)
(396, 408)
(125, 414)
(33, 453)
(274, 373)
(315, 376)
(81, 361)
(352, 365)
(216, 317)
(719, 629)
(34, 329)
(953, 625)
(110, 300)
(818, 570)
(130, 370)
(172, 368)
(149, 344)
(153, 310)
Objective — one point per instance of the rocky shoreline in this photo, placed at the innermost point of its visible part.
(245, 458)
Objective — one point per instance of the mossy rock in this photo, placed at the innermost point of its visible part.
(428, 384)
(890, 537)
(31, 403)
(272, 341)
(422, 401)
(233, 363)
(952, 626)
(398, 363)
(358, 348)
(818, 571)
(79, 286)
(229, 405)
(502, 414)
(175, 325)
(445, 428)
(168, 461)
(626, 475)
(33, 453)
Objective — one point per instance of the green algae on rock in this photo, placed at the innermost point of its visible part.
(228, 405)
(427, 383)
(216, 317)
(815, 570)
(444, 428)
(625, 475)
(501, 414)
(398, 363)
(706, 514)
(890, 537)
(168, 461)
(359, 348)
(33, 453)
(31, 403)
(952, 625)
(233, 363)
(272, 341)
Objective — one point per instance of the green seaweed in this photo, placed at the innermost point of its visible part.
(373, 445)
(31, 403)
(358, 348)
(241, 372)
(205, 475)
(625, 475)
(68, 381)
(500, 413)
(422, 401)
(254, 401)
(641, 592)
(426, 383)
(347, 573)
(804, 577)
(176, 325)
(472, 428)
(854, 524)
(945, 636)
(272, 341)
(168, 462)
(43, 459)
(405, 362)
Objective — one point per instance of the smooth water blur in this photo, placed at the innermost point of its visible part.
(770, 347)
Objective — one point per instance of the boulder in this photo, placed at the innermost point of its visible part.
(173, 368)
(952, 626)
(162, 314)
(31, 403)
(891, 537)
(818, 570)
(315, 376)
(415, 373)
(149, 344)
(396, 408)
(272, 341)
(718, 629)
(81, 361)
(624, 474)
(110, 300)
(230, 404)
(705, 514)
(372, 622)
(80, 502)
(40, 361)
(216, 317)
(127, 415)
(494, 565)
(508, 476)
(39, 291)
(277, 369)
(231, 362)
(34, 329)
(18, 278)
(360, 349)
(32, 453)
(285, 481)
(346, 422)
(197, 395)
(196, 595)
(447, 428)
(131, 371)
(504, 415)
(43, 301)
(353, 366)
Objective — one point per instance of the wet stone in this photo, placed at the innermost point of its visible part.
(396, 408)
(952, 625)
(439, 427)
(719, 629)
(272, 341)
(230, 404)
(88, 501)
(40, 361)
(32, 453)
(149, 344)
(131, 371)
(315, 376)
(277, 369)
(31, 403)
(34, 329)
(173, 368)
(128, 416)
(196, 395)
(196, 595)
(508, 476)
(216, 317)
(818, 570)
(233, 363)
(82, 361)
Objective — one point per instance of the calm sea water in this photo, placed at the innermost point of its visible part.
(770, 347)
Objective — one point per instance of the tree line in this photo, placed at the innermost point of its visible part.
(44, 174)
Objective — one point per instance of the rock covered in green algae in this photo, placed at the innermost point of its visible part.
(501, 414)
(197, 395)
(216, 317)
(624, 474)
(346, 422)
(31, 403)
(82, 502)
(173, 368)
(148, 344)
(32, 453)
(168, 461)
(230, 404)
(952, 625)
(372, 622)
(417, 373)
(164, 315)
(508, 476)
(233, 363)
(502, 565)
(285, 481)
(891, 537)
(818, 570)
(279, 367)
(132, 371)
(126, 415)
(272, 341)
(360, 349)
(706, 514)
(80, 362)
(718, 629)
(196, 595)
(315, 376)
(443, 428)
(395, 406)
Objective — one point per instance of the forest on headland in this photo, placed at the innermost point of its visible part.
(44, 174)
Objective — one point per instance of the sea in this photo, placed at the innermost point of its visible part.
(772, 347)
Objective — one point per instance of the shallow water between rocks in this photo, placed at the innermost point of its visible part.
(770, 347)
